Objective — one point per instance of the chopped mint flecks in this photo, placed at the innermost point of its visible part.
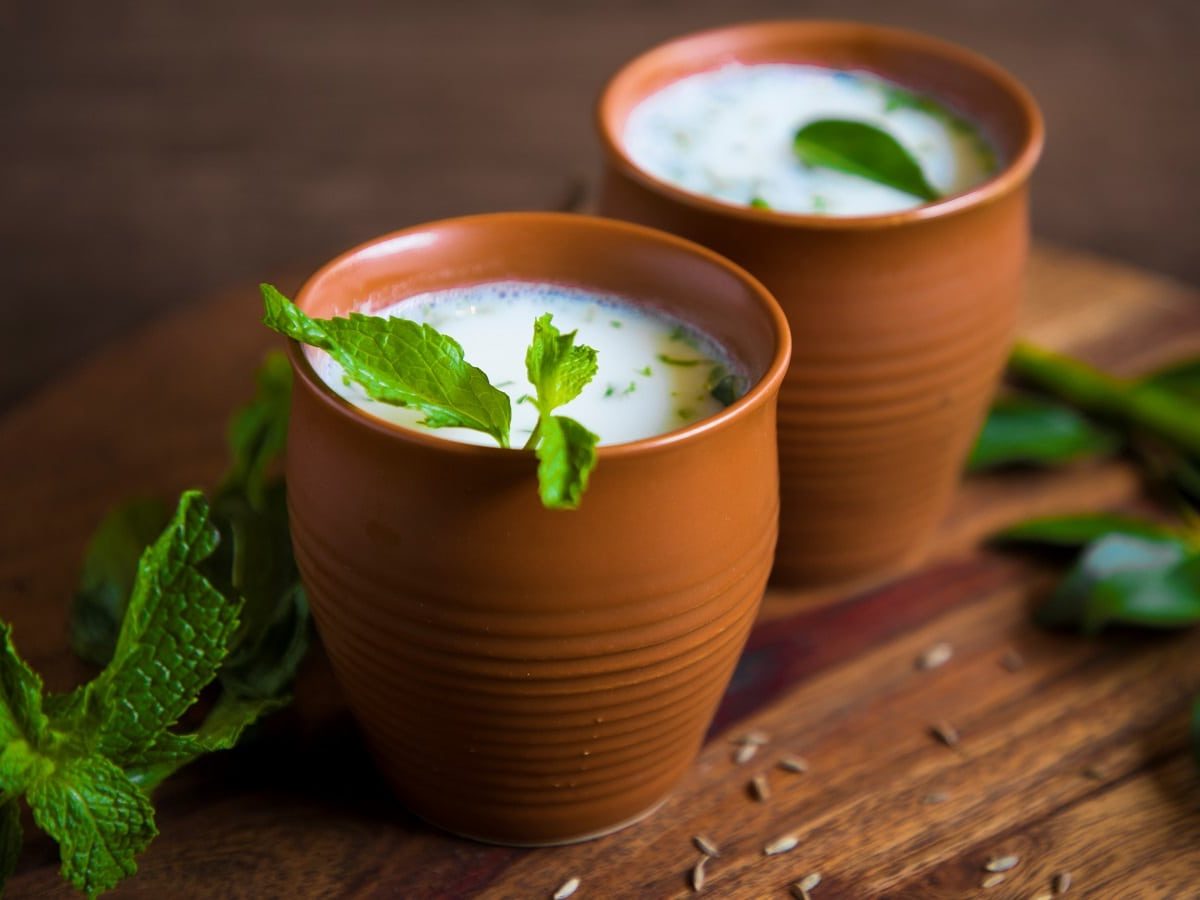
(645, 371)
(678, 361)
(759, 203)
(632, 387)
(686, 413)
(610, 390)
(616, 323)
(724, 386)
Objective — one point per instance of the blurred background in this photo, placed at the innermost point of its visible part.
(153, 153)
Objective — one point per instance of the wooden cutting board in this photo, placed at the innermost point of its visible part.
(1077, 762)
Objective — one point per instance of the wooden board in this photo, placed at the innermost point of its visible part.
(1076, 762)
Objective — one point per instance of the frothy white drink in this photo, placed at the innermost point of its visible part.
(728, 134)
(655, 373)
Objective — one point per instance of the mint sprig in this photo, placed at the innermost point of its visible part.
(404, 363)
(559, 370)
(401, 362)
(862, 149)
(81, 759)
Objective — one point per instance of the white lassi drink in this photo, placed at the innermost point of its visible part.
(655, 373)
(729, 133)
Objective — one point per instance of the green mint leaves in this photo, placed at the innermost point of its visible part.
(861, 149)
(401, 362)
(1126, 571)
(404, 363)
(566, 451)
(80, 758)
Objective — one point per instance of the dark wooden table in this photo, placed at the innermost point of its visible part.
(1077, 762)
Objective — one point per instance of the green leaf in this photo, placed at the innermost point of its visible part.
(759, 203)
(566, 456)
(1180, 378)
(258, 431)
(174, 636)
(21, 714)
(861, 149)
(221, 730)
(1024, 430)
(401, 362)
(1131, 580)
(109, 568)
(557, 368)
(100, 819)
(255, 562)
(10, 838)
(723, 386)
(1082, 529)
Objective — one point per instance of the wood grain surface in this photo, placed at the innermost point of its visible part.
(1077, 762)
(155, 150)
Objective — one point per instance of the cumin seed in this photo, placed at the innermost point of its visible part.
(698, 874)
(566, 889)
(705, 846)
(795, 764)
(935, 797)
(1061, 883)
(781, 844)
(745, 753)
(945, 732)
(992, 880)
(1001, 863)
(760, 788)
(753, 737)
(937, 655)
(810, 881)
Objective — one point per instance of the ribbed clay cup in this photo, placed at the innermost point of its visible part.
(900, 322)
(524, 675)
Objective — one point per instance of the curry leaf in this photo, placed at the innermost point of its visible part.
(1022, 430)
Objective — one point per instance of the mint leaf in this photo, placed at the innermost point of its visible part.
(1130, 580)
(21, 714)
(1024, 430)
(401, 362)
(109, 567)
(100, 819)
(566, 451)
(1082, 529)
(175, 633)
(221, 730)
(258, 431)
(861, 149)
(557, 368)
(10, 837)
(566, 456)
(254, 562)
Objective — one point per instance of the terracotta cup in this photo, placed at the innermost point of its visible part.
(523, 675)
(901, 322)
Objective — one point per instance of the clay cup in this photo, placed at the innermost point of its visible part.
(901, 322)
(525, 675)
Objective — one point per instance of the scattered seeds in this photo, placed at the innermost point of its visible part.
(992, 880)
(1012, 661)
(698, 874)
(705, 846)
(1061, 883)
(781, 845)
(945, 732)
(1001, 863)
(744, 753)
(935, 797)
(566, 889)
(760, 789)
(797, 764)
(1044, 896)
(937, 655)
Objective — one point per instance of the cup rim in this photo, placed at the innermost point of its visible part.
(1014, 173)
(758, 395)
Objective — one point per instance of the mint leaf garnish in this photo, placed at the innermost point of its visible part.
(566, 451)
(21, 714)
(100, 819)
(861, 149)
(401, 362)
